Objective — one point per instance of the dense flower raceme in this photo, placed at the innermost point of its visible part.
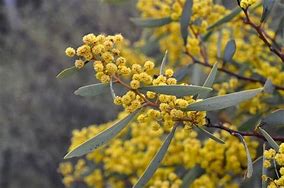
(272, 156)
(108, 64)
(121, 162)
(252, 56)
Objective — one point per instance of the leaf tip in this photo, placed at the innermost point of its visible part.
(268, 87)
(76, 92)
(68, 155)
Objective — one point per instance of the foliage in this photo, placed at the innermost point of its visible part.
(169, 137)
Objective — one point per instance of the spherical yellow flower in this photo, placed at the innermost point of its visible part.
(70, 52)
(79, 64)
(89, 39)
(98, 66)
(246, 3)
(135, 84)
(266, 164)
(149, 65)
(111, 68)
(169, 72)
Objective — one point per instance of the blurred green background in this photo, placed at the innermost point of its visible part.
(37, 111)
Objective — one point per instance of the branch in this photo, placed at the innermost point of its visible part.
(240, 77)
(261, 35)
(233, 132)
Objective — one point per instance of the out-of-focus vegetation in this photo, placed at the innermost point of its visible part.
(37, 112)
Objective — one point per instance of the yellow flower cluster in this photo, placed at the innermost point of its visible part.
(271, 155)
(246, 3)
(204, 13)
(250, 53)
(103, 52)
(72, 174)
(127, 156)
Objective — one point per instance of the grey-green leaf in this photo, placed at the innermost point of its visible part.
(151, 22)
(280, 28)
(209, 80)
(230, 50)
(268, 87)
(210, 135)
(249, 160)
(185, 19)
(177, 90)
(191, 175)
(275, 118)
(182, 72)
(101, 138)
(196, 75)
(269, 139)
(112, 90)
(164, 62)
(250, 123)
(267, 7)
(67, 72)
(226, 18)
(224, 101)
(155, 162)
(92, 90)
(264, 170)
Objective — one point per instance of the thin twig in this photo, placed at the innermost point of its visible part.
(240, 77)
(250, 134)
(261, 35)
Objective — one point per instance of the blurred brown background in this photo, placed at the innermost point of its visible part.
(37, 111)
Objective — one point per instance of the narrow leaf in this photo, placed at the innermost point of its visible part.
(275, 169)
(101, 138)
(224, 101)
(154, 164)
(151, 22)
(269, 139)
(206, 36)
(264, 170)
(111, 89)
(67, 72)
(185, 19)
(250, 124)
(164, 62)
(268, 87)
(230, 50)
(280, 28)
(181, 73)
(267, 7)
(178, 90)
(92, 90)
(259, 159)
(226, 18)
(196, 74)
(210, 135)
(209, 80)
(249, 160)
(191, 175)
(275, 118)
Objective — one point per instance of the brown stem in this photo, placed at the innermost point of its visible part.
(148, 103)
(250, 134)
(262, 36)
(253, 80)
